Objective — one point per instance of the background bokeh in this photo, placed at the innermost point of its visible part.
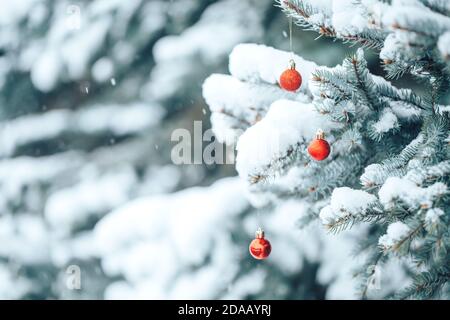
(90, 92)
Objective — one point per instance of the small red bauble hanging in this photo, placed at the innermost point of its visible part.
(319, 148)
(290, 79)
(260, 247)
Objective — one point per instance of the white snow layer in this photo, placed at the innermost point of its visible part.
(348, 18)
(12, 287)
(70, 45)
(444, 45)
(346, 202)
(117, 119)
(96, 194)
(20, 173)
(25, 239)
(411, 194)
(155, 239)
(255, 63)
(240, 100)
(179, 57)
(387, 122)
(236, 104)
(201, 39)
(396, 232)
(433, 215)
(286, 124)
(408, 16)
(46, 72)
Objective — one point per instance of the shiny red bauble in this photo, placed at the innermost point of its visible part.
(290, 79)
(260, 247)
(319, 148)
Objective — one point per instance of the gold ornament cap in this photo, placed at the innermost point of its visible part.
(292, 64)
(259, 234)
(320, 134)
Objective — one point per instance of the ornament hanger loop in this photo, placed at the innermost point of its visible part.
(320, 134)
(292, 64)
(259, 234)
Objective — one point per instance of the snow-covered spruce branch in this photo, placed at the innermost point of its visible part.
(413, 44)
(305, 179)
(276, 143)
(427, 285)
(349, 93)
(410, 205)
(343, 20)
(360, 78)
(412, 38)
(420, 175)
(398, 237)
(268, 150)
(376, 174)
(397, 192)
(247, 104)
(249, 90)
(353, 81)
(348, 206)
(440, 6)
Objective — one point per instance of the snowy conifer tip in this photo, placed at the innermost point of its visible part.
(347, 204)
(286, 127)
(400, 189)
(396, 234)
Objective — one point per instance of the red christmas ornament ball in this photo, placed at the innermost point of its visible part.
(291, 79)
(260, 247)
(319, 148)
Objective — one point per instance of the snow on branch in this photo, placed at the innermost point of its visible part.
(271, 145)
(347, 93)
(313, 15)
(348, 206)
(237, 105)
(20, 173)
(417, 19)
(420, 174)
(259, 63)
(68, 208)
(444, 46)
(406, 32)
(441, 6)
(346, 20)
(148, 242)
(181, 57)
(401, 189)
(273, 140)
(397, 235)
(388, 121)
(376, 174)
(415, 31)
(98, 119)
(353, 81)
(242, 99)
